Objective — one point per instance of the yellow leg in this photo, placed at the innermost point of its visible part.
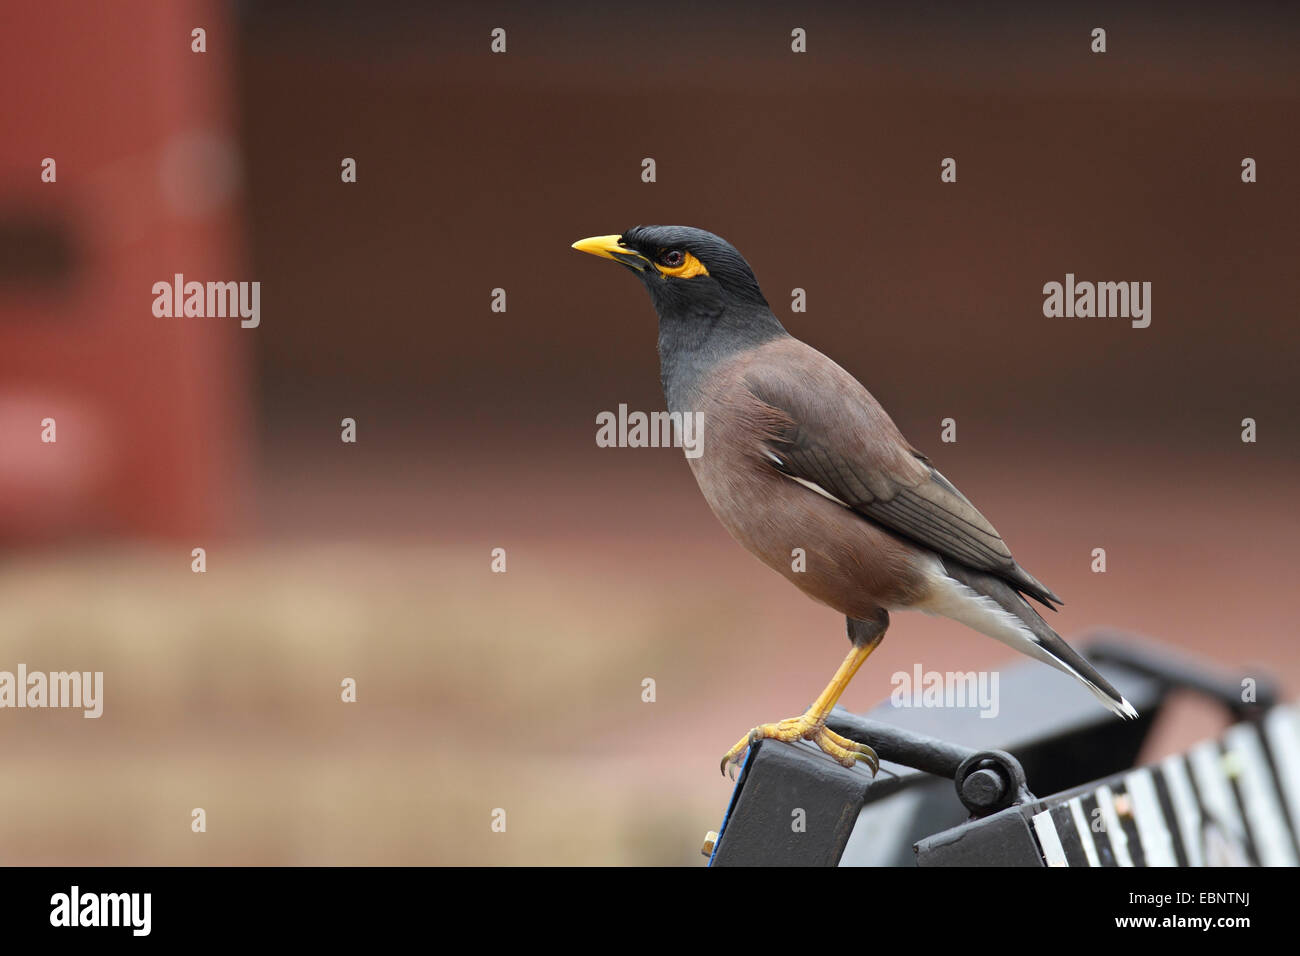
(811, 725)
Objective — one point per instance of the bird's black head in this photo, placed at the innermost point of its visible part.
(684, 269)
(709, 304)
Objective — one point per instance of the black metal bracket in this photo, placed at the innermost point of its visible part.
(986, 780)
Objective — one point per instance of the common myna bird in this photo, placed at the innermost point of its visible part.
(797, 454)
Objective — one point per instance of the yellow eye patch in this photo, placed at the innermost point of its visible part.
(690, 267)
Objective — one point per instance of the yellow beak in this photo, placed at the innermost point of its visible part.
(609, 247)
(604, 246)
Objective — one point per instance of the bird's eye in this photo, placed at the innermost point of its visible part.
(672, 258)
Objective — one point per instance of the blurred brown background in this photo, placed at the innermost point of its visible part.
(476, 429)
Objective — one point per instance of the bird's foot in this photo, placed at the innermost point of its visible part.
(808, 726)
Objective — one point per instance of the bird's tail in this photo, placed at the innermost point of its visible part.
(995, 608)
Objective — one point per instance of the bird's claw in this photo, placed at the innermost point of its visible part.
(847, 753)
(731, 760)
(863, 753)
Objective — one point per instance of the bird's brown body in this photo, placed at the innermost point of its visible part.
(854, 566)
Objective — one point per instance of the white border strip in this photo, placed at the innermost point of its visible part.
(1185, 808)
(1114, 829)
(1085, 832)
(1153, 829)
(1258, 796)
(1049, 839)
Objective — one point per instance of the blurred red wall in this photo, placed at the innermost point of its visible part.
(150, 412)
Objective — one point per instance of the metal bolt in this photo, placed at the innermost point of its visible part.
(983, 788)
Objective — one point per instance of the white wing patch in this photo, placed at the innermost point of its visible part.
(810, 485)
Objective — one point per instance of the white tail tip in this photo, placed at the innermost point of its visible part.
(1125, 709)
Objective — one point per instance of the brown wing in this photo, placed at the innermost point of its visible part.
(834, 434)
